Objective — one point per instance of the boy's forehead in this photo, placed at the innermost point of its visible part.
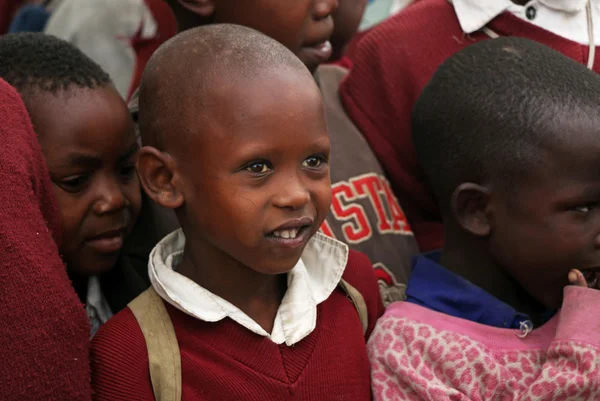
(282, 99)
(180, 89)
(570, 150)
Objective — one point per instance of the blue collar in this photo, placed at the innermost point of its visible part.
(434, 287)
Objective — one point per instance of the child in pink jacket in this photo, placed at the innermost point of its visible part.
(507, 131)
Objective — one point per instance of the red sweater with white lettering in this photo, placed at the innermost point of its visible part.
(225, 361)
(392, 64)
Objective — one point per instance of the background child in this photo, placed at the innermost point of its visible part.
(251, 289)
(44, 331)
(507, 131)
(364, 213)
(397, 58)
(346, 20)
(89, 143)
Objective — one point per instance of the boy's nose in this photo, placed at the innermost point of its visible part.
(293, 195)
(324, 8)
(111, 199)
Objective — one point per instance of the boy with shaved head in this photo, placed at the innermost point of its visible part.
(257, 298)
(364, 212)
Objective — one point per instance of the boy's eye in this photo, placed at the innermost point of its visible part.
(75, 183)
(585, 208)
(313, 162)
(258, 168)
(127, 172)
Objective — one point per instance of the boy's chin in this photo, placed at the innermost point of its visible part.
(276, 265)
(93, 265)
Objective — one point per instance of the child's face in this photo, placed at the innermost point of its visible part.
(549, 223)
(303, 26)
(346, 22)
(256, 183)
(88, 140)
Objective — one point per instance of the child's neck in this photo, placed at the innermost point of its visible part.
(257, 295)
(478, 268)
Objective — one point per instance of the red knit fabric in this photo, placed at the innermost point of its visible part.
(392, 64)
(144, 48)
(224, 361)
(44, 331)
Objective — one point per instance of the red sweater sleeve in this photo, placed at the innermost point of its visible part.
(360, 274)
(44, 331)
(119, 361)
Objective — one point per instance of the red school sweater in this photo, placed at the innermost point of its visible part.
(44, 332)
(392, 64)
(224, 361)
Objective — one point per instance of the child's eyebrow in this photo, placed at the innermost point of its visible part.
(85, 160)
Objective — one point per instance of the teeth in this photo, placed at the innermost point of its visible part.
(291, 233)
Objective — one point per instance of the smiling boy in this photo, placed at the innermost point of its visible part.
(364, 213)
(251, 288)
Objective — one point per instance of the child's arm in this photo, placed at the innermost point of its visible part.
(119, 361)
(44, 332)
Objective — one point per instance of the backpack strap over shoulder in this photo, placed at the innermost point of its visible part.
(359, 303)
(161, 341)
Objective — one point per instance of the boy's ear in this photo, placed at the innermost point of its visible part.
(204, 8)
(471, 205)
(159, 177)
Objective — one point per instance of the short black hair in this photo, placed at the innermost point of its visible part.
(487, 109)
(34, 61)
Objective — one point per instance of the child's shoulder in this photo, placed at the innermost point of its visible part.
(361, 275)
(358, 268)
(118, 351)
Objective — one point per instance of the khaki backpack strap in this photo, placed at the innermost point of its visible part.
(163, 349)
(359, 303)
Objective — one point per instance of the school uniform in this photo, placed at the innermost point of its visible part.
(316, 350)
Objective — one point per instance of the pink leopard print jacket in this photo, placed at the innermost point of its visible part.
(419, 354)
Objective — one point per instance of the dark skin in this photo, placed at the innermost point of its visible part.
(346, 20)
(301, 26)
(520, 242)
(88, 141)
(254, 180)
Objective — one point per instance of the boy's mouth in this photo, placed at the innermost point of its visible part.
(317, 53)
(293, 233)
(108, 242)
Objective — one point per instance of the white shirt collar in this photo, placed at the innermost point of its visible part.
(566, 18)
(96, 306)
(310, 282)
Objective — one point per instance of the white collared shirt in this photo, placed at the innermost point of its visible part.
(96, 306)
(399, 5)
(566, 18)
(310, 282)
